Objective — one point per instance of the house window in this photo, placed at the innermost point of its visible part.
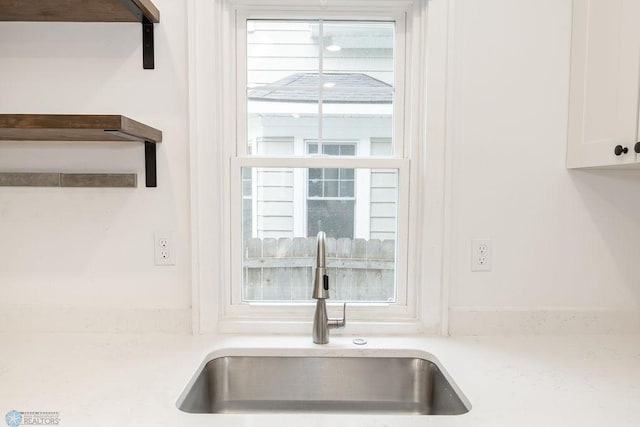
(399, 113)
(320, 144)
(331, 194)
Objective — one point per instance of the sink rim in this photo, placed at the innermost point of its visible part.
(320, 352)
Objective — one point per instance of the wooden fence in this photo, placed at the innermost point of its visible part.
(282, 269)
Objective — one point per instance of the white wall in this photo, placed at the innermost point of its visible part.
(562, 240)
(77, 254)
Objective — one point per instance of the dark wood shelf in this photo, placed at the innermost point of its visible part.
(142, 11)
(78, 10)
(75, 127)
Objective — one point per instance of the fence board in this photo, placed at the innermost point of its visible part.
(269, 247)
(359, 249)
(282, 269)
(301, 286)
(344, 248)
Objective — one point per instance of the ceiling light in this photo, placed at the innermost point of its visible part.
(329, 84)
(334, 48)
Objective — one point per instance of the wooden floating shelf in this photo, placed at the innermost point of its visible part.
(73, 127)
(78, 10)
(46, 179)
(142, 11)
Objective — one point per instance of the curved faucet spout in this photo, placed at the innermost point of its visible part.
(321, 249)
(321, 280)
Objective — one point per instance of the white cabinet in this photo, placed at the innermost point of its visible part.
(605, 83)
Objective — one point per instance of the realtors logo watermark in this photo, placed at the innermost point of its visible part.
(13, 418)
(18, 418)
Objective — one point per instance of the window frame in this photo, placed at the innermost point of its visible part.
(402, 306)
(211, 36)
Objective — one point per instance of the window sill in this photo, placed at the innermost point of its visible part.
(236, 325)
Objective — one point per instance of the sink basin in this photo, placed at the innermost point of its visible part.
(348, 382)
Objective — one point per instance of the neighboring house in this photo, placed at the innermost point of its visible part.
(283, 123)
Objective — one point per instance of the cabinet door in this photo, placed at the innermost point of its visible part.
(605, 76)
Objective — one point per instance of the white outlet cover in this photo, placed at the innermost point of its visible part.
(164, 248)
(481, 255)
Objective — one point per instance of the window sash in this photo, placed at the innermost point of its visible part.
(399, 18)
(404, 307)
(404, 293)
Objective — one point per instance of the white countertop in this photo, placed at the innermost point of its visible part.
(135, 380)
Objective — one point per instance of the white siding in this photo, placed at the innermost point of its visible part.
(274, 191)
(275, 146)
(383, 210)
(275, 208)
(281, 225)
(266, 194)
(275, 52)
(384, 194)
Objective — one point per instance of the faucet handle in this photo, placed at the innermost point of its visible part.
(340, 322)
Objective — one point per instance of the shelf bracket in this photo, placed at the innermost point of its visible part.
(150, 164)
(148, 62)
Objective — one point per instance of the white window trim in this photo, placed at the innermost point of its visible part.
(211, 45)
(404, 306)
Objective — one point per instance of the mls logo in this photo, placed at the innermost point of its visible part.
(13, 418)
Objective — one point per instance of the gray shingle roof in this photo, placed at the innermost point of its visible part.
(351, 88)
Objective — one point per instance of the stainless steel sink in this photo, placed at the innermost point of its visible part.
(347, 383)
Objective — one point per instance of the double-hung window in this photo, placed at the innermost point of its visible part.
(318, 100)
(320, 145)
(310, 115)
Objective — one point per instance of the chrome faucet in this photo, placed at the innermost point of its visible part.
(321, 322)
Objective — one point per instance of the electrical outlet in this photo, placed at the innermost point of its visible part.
(163, 248)
(481, 255)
